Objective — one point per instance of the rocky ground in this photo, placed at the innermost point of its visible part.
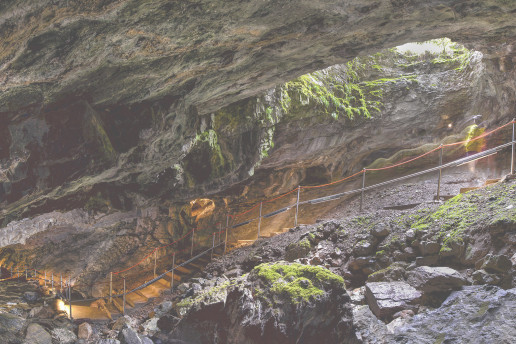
(382, 276)
(436, 273)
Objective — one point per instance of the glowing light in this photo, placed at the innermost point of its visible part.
(62, 307)
(450, 125)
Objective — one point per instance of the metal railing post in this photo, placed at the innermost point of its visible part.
(26, 276)
(297, 204)
(440, 173)
(513, 138)
(70, 294)
(155, 259)
(362, 193)
(212, 244)
(260, 221)
(52, 281)
(45, 279)
(191, 250)
(111, 287)
(173, 267)
(123, 301)
(226, 240)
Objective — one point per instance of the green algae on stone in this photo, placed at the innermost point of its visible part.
(297, 281)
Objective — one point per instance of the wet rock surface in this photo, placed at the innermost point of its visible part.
(387, 298)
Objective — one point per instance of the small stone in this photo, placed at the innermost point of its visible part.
(163, 308)
(151, 326)
(380, 230)
(183, 287)
(63, 336)
(429, 248)
(406, 313)
(108, 341)
(428, 260)
(36, 334)
(85, 331)
(363, 248)
(31, 296)
(483, 277)
(494, 263)
(129, 336)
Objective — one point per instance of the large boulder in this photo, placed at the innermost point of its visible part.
(475, 314)
(36, 334)
(10, 327)
(275, 303)
(387, 298)
(495, 264)
(435, 279)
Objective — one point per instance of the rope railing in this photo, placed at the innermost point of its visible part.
(67, 284)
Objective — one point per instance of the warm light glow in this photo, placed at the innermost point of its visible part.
(61, 307)
(450, 125)
(202, 207)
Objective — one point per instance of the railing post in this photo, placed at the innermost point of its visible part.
(155, 259)
(440, 173)
(45, 279)
(111, 287)
(70, 294)
(123, 300)
(226, 240)
(513, 138)
(61, 278)
(297, 204)
(362, 193)
(26, 276)
(52, 281)
(173, 267)
(191, 250)
(260, 221)
(212, 244)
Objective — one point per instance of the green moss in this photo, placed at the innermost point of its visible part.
(486, 207)
(333, 95)
(217, 160)
(97, 203)
(296, 281)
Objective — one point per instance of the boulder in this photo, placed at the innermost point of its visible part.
(129, 336)
(108, 341)
(387, 298)
(63, 336)
(435, 279)
(380, 230)
(151, 325)
(484, 277)
(494, 264)
(163, 308)
(31, 296)
(429, 247)
(10, 327)
(363, 248)
(368, 329)
(474, 314)
(85, 331)
(36, 334)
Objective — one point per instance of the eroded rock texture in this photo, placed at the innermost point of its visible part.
(117, 96)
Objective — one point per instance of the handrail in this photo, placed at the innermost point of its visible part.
(332, 197)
